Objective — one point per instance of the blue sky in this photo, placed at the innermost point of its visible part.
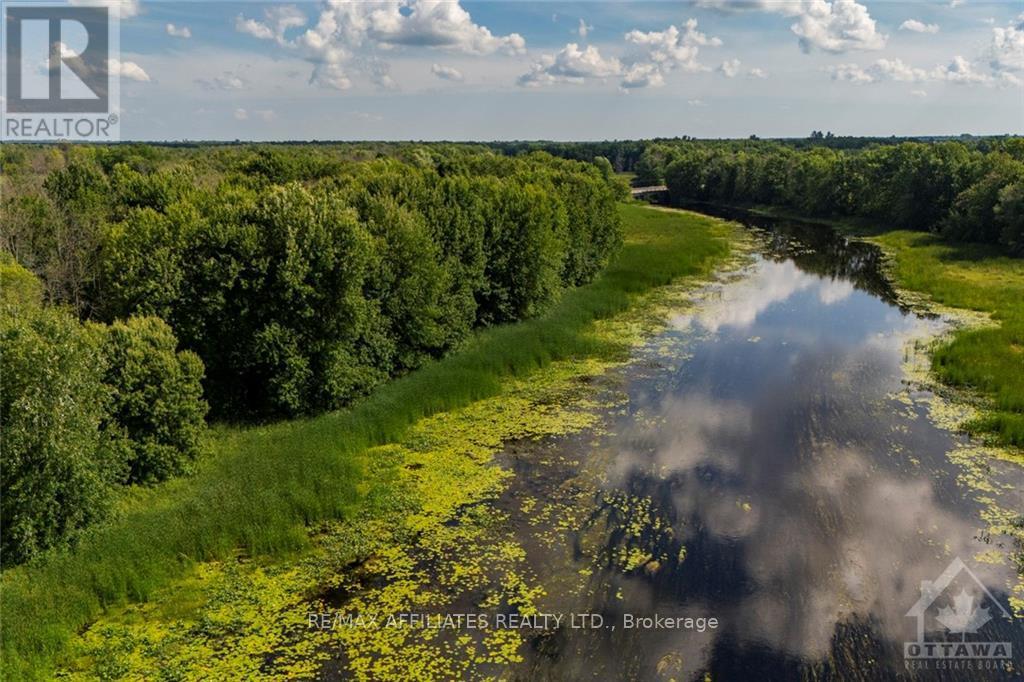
(595, 70)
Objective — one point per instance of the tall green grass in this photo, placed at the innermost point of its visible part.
(990, 360)
(265, 485)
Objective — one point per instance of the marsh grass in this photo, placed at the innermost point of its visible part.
(988, 360)
(263, 486)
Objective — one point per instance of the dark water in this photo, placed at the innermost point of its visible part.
(769, 435)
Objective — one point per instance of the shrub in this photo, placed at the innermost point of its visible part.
(18, 286)
(525, 242)
(1009, 212)
(155, 401)
(58, 467)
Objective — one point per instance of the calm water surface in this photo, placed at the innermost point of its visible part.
(773, 437)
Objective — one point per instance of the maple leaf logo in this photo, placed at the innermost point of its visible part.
(963, 617)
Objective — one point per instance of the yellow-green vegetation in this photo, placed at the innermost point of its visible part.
(985, 359)
(340, 496)
(982, 359)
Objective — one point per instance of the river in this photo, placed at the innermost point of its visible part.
(774, 470)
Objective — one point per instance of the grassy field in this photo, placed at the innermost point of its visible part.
(264, 486)
(989, 361)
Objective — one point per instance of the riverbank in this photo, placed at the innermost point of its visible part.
(348, 480)
(983, 358)
(980, 363)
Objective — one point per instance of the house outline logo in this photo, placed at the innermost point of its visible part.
(971, 621)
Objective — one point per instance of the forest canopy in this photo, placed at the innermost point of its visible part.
(144, 287)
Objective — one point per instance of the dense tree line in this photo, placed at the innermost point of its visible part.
(140, 283)
(84, 408)
(950, 188)
(629, 156)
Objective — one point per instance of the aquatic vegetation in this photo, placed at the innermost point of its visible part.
(424, 534)
(952, 410)
(984, 292)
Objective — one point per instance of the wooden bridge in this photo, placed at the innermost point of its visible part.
(652, 193)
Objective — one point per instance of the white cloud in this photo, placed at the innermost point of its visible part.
(897, 70)
(265, 115)
(916, 26)
(377, 71)
(570, 65)
(757, 73)
(918, 93)
(1004, 56)
(672, 48)
(642, 75)
(959, 70)
(277, 20)
(837, 26)
(343, 29)
(696, 103)
(421, 23)
(229, 80)
(447, 73)
(254, 28)
(654, 54)
(956, 3)
(787, 7)
(834, 291)
(1006, 52)
(584, 30)
(178, 31)
(851, 73)
(730, 68)
(129, 70)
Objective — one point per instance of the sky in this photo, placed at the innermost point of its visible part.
(470, 70)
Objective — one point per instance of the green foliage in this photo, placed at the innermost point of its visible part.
(1009, 213)
(18, 286)
(155, 404)
(156, 190)
(946, 187)
(84, 409)
(58, 466)
(987, 360)
(303, 281)
(524, 241)
(267, 484)
(973, 217)
(650, 167)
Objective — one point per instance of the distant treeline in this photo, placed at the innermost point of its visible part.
(949, 188)
(627, 156)
(140, 283)
(966, 189)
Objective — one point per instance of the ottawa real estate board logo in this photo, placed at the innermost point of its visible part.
(958, 621)
(58, 83)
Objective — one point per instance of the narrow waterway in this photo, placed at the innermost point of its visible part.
(774, 470)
